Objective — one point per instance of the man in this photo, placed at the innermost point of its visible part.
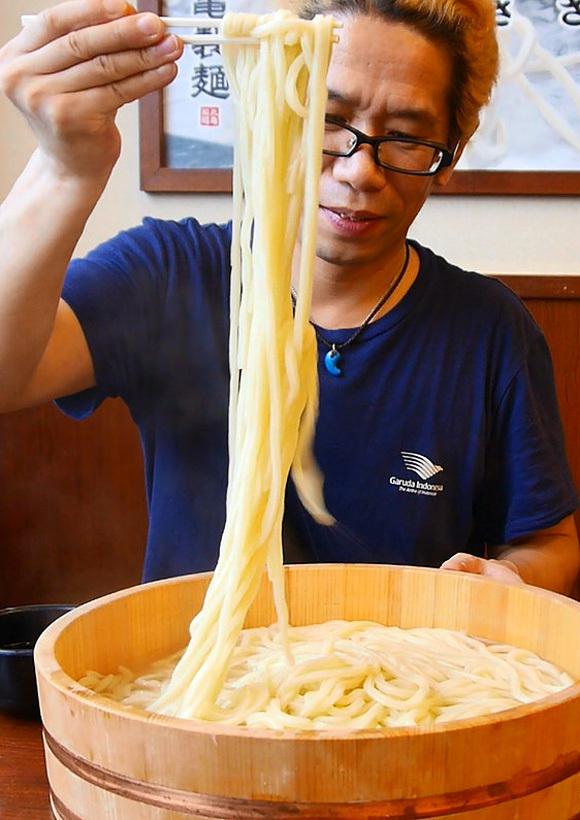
(439, 435)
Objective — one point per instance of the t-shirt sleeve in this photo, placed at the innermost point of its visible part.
(133, 291)
(528, 485)
(116, 293)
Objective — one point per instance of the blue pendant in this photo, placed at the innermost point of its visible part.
(332, 362)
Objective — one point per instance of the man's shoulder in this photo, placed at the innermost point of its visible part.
(162, 242)
(476, 290)
(167, 253)
(471, 305)
(466, 278)
(188, 232)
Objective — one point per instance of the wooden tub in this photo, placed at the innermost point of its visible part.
(106, 761)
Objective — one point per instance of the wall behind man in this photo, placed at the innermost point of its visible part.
(491, 234)
(73, 493)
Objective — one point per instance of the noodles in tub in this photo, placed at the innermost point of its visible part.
(354, 675)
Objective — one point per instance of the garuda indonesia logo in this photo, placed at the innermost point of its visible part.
(421, 465)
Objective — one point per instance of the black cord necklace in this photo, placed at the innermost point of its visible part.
(333, 359)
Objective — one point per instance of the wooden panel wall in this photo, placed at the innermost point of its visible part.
(554, 301)
(73, 516)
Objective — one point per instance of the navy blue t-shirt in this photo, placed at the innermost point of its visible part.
(442, 434)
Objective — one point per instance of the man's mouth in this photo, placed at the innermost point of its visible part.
(353, 216)
(351, 224)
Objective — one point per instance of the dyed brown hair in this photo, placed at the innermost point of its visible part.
(466, 28)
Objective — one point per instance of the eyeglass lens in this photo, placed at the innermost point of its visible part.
(398, 154)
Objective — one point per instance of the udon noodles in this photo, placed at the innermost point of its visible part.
(337, 675)
(353, 676)
(280, 89)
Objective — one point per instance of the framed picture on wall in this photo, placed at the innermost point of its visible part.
(528, 141)
(529, 138)
(187, 130)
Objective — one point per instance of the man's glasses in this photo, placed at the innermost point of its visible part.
(405, 154)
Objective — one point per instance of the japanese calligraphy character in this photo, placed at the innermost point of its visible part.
(502, 12)
(569, 12)
(204, 52)
(210, 8)
(210, 80)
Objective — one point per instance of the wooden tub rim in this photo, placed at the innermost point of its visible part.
(45, 659)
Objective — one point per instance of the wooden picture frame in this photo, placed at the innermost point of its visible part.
(157, 176)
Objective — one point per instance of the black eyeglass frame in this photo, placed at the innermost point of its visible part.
(363, 139)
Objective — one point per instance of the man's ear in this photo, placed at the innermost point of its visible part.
(442, 177)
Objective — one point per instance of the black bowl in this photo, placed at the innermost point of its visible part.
(20, 627)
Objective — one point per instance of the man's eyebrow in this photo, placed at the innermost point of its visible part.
(419, 115)
(336, 96)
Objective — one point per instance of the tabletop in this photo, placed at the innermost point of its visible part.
(23, 783)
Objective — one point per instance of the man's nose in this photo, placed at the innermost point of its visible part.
(360, 169)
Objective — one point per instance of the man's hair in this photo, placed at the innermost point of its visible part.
(466, 28)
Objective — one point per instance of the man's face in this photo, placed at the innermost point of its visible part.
(384, 78)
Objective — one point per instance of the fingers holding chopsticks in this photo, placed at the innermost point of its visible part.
(74, 65)
(59, 20)
(97, 56)
(84, 44)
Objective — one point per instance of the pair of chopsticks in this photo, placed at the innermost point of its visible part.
(191, 23)
(203, 39)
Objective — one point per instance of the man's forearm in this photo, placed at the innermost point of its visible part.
(549, 559)
(41, 221)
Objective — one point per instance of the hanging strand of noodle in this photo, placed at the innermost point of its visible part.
(305, 474)
(280, 89)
